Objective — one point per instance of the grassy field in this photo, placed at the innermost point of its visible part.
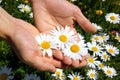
(95, 11)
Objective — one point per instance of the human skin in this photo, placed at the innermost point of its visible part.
(48, 14)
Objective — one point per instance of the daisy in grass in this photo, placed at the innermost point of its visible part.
(31, 77)
(24, 8)
(97, 26)
(100, 65)
(96, 48)
(58, 75)
(5, 73)
(46, 44)
(110, 72)
(104, 37)
(96, 38)
(75, 76)
(117, 37)
(63, 36)
(104, 56)
(75, 50)
(92, 74)
(92, 62)
(113, 18)
(112, 50)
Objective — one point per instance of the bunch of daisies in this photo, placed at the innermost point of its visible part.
(65, 40)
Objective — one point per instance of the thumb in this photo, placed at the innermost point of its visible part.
(83, 21)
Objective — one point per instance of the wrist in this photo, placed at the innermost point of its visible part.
(6, 24)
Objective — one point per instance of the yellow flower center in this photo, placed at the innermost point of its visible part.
(111, 51)
(109, 72)
(91, 60)
(75, 48)
(101, 65)
(92, 75)
(3, 76)
(95, 49)
(103, 37)
(45, 45)
(105, 56)
(99, 12)
(96, 38)
(75, 78)
(24, 9)
(57, 73)
(112, 17)
(63, 38)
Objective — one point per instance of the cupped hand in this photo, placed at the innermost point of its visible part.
(21, 36)
(48, 14)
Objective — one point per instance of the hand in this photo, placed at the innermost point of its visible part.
(21, 36)
(51, 13)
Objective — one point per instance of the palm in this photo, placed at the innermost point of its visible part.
(52, 13)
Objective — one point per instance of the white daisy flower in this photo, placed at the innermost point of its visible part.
(110, 72)
(0, 1)
(63, 36)
(92, 74)
(31, 77)
(58, 74)
(93, 46)
(31, 15)
(75, 76)
(5, 73)
(81, 37)
(92, 62)
(117, 37)
(104, 56)
(113, 18)
(100, 65)
(46, 44)
(97, 26)
(112, 50)
(96, 38)
(104, 37)
(76, 50)
(24, 8)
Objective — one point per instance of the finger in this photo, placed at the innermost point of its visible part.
(83, 21)
(58, 54)
(75, 63)
(67, 60)
(38, 63)
(82, 63)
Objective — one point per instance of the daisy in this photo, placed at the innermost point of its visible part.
(63, 36)
(5, 73)
(46, 44)
(31, 15)
(0, 1)
(75, 76)
(31, 77)
(92, 62)
(110, 72)
(117, 37)
(112, 50)
(92, 74)
(75, 50)
(97, 26)
(104, 56)
(113, 18)
(58, 74)
(104, 37)
(93, 46)
(100, 65)
(24, 8)
(96, 38)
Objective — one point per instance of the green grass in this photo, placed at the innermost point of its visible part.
(88, 7)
